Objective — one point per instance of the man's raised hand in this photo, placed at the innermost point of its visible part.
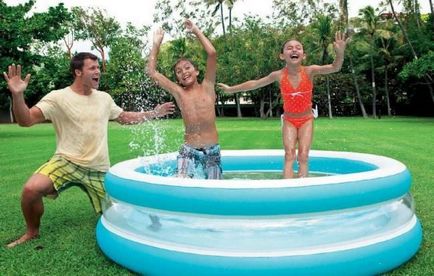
(15, 83)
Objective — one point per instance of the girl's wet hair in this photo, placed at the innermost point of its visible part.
(286, 41)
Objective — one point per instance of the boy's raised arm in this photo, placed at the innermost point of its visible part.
(211, 62)
(159, 78)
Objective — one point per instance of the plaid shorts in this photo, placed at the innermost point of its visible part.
(202, 163)
(65, 174)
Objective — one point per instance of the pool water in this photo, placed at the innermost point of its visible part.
(258, 175)
(261, 234)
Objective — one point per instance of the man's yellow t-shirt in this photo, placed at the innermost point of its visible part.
(81, 123)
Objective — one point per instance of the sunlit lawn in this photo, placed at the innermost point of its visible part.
(67, 244)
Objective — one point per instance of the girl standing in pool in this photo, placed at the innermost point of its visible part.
(296, 85)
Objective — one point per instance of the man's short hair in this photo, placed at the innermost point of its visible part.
(77, 61)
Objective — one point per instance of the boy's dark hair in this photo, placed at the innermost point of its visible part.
(77, 61)
(184, 59)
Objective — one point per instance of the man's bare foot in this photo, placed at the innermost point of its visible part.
(23, 239)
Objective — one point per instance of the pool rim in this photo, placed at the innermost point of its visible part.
(385, 167)
(241, 197)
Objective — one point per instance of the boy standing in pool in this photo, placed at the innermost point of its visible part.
(296, 85)
(199, 156)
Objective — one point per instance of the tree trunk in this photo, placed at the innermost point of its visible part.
(429, 84)
(68, 49)
(269, 112)
(230, 20)
(11, 113)
(343, 14)
(217, 106)
(220, 110)
(356, 85)
(270, 103)
(329, 100)
(103, 62)
(69, 43)
(404, 32)
(222, 19)
(431, 92)
(374, 90)
(100, 50)
(237, 102)
(431, 7)
(274, 104)
(262, 107)
(386, 90)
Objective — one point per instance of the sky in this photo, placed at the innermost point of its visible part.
(140, 12)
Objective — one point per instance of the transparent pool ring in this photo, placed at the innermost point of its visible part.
(363, 230)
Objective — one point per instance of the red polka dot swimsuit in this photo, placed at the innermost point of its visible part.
(296, 100)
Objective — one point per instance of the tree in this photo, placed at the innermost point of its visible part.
(343, 22)
(53, 71)
(250, 53)
(300, 12)
(171, 14)
(19, 31)
(403, 30)
(343, 15)
(419, 68)
(431, 8)
(427, 77)
(69, 38)
(323, 27)
(387, 40)
(218, 6)
(371, 24)
(94, 24)
(125, 76)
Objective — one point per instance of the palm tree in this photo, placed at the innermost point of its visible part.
(401, 27)
(427, 77)
(431, 8)
(387, 40)
(343, 15)
(371, 23)
(323, 27)
(219, 6)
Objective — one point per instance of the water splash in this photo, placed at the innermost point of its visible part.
(152, 137)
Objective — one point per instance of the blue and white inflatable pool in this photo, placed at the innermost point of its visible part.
(356, 217)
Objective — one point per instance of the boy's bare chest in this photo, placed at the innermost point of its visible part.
(198, 100)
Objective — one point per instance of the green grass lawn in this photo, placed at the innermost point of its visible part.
(67, 244)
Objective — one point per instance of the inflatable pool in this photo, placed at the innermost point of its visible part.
(355, 216)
